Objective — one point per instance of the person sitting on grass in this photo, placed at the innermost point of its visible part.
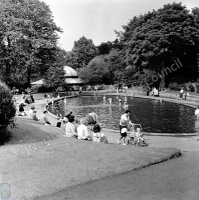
(34, 116)
(32, 113)
(82, 130)
(70, 128)
(21, 110)
(98, 136)
(44, 118)
(92, 118)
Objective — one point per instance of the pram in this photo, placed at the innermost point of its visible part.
(133, 138)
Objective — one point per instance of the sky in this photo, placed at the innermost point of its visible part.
(97, 19)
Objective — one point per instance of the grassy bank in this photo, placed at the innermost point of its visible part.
(40, 160)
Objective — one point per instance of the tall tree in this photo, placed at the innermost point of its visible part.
(82, 53)
(154, 40)
(96, 72)
(28, 38)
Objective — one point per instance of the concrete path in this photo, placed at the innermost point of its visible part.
(176, 179)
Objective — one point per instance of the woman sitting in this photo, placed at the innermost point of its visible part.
(70, 128)
(44, 118)
(21, 110)
(97, 135)
(82, 130)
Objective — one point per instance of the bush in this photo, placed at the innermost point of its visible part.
(175, 86)
(7, 107)
(189, 86)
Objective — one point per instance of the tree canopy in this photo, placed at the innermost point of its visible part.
(96, 72)
(28, 38)
(155, 40)
(82, 53)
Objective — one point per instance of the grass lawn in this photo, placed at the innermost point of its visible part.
(40, 160)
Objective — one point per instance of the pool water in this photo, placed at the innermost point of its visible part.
(153, 115)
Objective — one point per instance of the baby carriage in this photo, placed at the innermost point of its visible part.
(136, 136)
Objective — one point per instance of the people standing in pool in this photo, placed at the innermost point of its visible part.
(181, 94)
(110, 100)
(104, 99)
(197, 113)
(124, 123)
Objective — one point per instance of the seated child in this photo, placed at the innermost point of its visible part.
(139, 137)
(34, 115)
(97, 135)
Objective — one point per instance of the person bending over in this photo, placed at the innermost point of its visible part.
(44, 118)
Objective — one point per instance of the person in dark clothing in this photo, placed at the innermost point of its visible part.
(21, 110)
(70, 115)
(58, 110)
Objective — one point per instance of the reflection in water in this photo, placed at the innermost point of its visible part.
(153, 115)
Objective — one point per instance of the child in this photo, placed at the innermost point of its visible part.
(97, 135)
(34, 116)
(123, 132)
(139, 140)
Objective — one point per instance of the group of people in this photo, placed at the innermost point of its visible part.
(127, 128)
(27, 98)
(86, 128)
(117, 100)
(183, 95)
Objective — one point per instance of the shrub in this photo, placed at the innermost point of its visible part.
(7, 107)
(175, 86)
(189, 86)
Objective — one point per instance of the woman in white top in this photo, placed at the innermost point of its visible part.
(82, 130)
(70, 128)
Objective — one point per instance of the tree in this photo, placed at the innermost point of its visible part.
(117, 65)
(55, 75)
(82, 53)
(96, 72)
(7, 107)
(28, 39)
(104, 48)
(153, 41)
